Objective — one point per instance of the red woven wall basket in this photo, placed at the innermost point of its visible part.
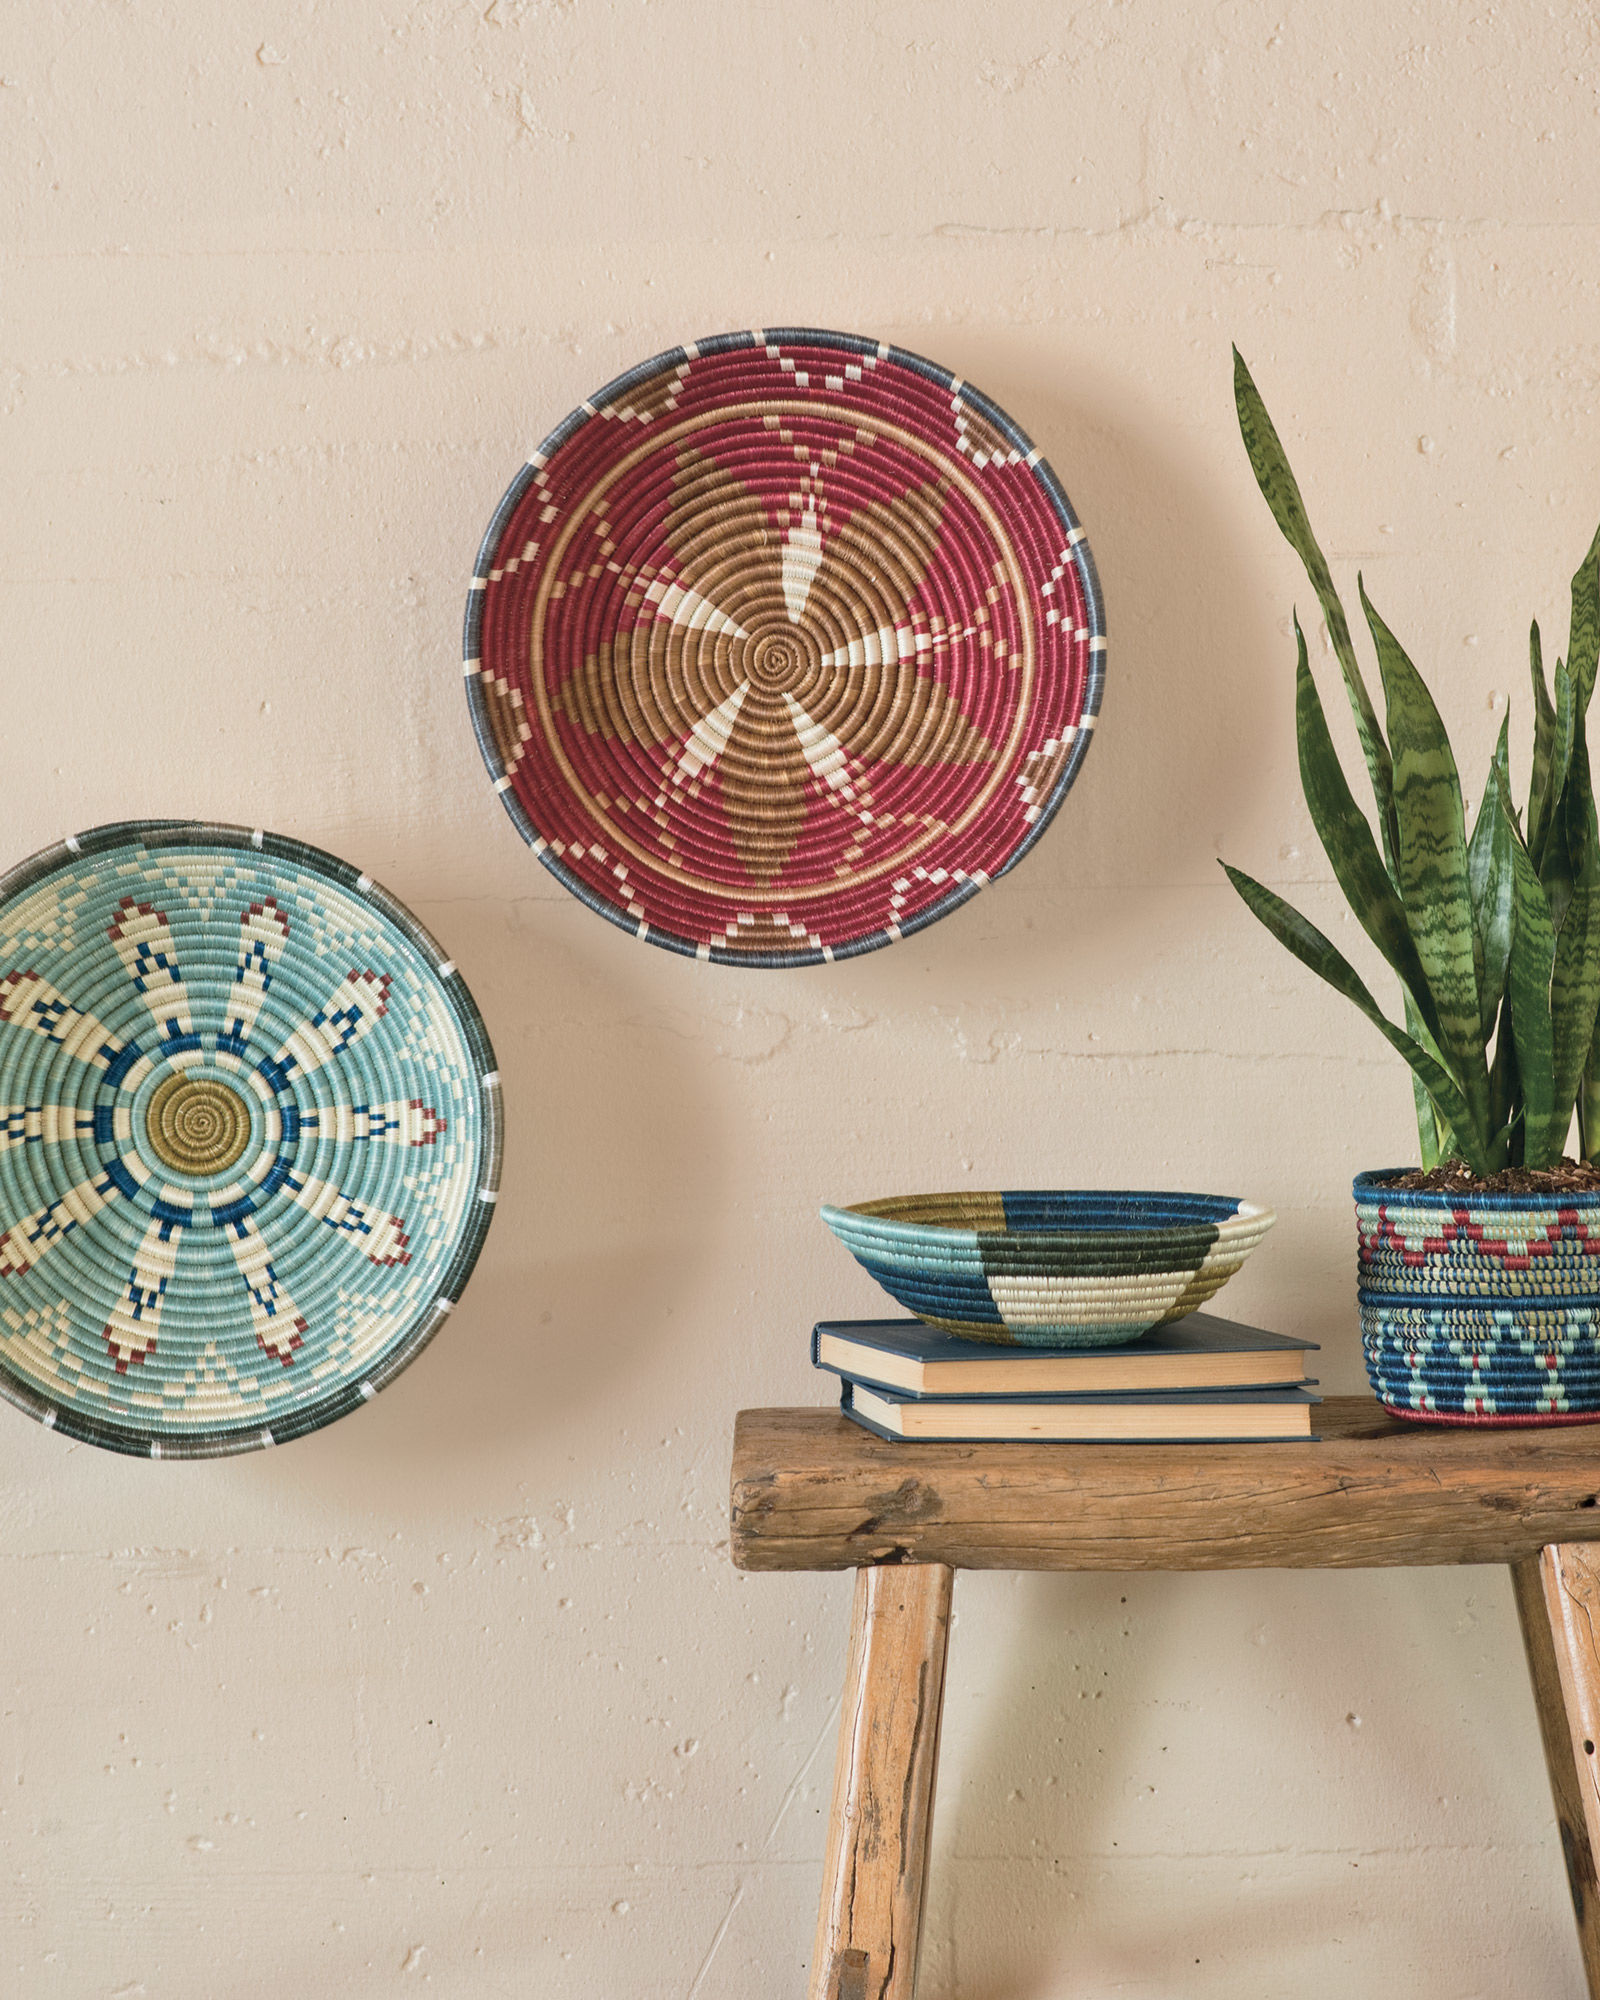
(782, 646)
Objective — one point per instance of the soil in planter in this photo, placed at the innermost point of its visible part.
(1456, 1177)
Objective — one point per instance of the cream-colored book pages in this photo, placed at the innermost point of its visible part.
(1084, 1421)
(1084, 1374)
(851, 1357)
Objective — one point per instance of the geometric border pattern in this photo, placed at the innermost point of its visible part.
(1425, 1244)
(1479, 1309)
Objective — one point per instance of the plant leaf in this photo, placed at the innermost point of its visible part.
(1300, 936)
(1281, 491)
(1533, 951)
(1489, 879)
(1589, 1100)
(1553, 862)
(1575, 983)
(1347, 840)
(1544, 736)
(1505, 1087)
(1432, 865)
(1433, 1141)
(1568, 865)
(1583, 642)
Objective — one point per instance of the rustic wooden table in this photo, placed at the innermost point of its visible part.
(812, 1491)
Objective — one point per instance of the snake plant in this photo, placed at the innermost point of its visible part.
(1494, 936)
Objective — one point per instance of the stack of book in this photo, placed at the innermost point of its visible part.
(1199, 1378)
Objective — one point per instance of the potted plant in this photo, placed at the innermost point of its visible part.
(1480, 1272)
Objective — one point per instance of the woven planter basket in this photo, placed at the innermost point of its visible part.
(1480, 1309)
(782, 646)
(1051, 1269)
(249, 1138)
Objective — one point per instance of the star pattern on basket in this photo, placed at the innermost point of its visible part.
(1505, 1365)
(234, 1099)
(786, 677)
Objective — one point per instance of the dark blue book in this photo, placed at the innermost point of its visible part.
(1199, 1352)
(1215, 1416)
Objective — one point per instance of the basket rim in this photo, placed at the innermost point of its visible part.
(860, 1219)
(1371, 1184)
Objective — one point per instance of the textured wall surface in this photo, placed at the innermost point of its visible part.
(462, 1694)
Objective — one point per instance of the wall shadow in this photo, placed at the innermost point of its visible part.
(1183, 724)
(591, 1246)
(1070, 1734)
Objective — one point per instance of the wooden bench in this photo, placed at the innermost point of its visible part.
(812, 1491)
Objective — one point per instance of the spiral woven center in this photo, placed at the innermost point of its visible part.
(778, 661)
(197, 1125)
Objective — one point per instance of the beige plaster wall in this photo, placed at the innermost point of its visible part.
(462, 1695)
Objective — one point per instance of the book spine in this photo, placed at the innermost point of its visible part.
(1245, 1394)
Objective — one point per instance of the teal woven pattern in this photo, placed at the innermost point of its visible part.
(1484, 1364)
(1415, 1244)
(1053, 1268)
(249, 1138)
(1480, 1309)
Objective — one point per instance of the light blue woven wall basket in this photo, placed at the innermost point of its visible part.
(249, 1138)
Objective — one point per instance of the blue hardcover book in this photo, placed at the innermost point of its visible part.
(1199, 1352)
(1213, 1416)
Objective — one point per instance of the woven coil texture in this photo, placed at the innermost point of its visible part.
(1056, 1269)
(782, 646)
(249, 1138)
(1481, 1309)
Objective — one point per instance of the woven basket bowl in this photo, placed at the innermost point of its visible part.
(1480, 1309)
(1051, 1269)
(782, 645)
(249, 1138)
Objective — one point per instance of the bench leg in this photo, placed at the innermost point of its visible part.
(1558, 1601)
(877, 1862)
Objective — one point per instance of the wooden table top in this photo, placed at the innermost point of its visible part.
(811, 1490)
